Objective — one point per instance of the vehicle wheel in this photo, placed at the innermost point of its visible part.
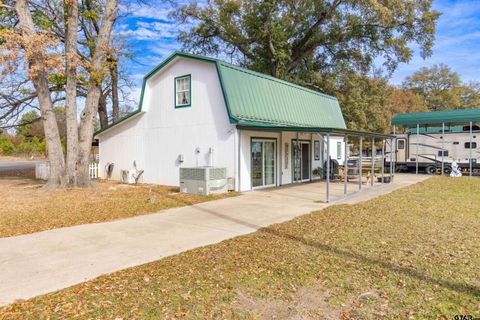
(447, 170)
(431, 170)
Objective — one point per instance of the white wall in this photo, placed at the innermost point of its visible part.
(339, 156)
(164, 132)
(121, 145)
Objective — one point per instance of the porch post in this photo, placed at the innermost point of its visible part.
(383, 158)
(470, 157)
(279, 169)
(297, 156)
(373, 161)
(345, 168)
(418, 142)
(239, 159)
(360, 165)
(391, 157)
(394, 153)
(328, 167)
(443, 143)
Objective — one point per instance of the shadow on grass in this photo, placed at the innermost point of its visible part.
(455, 286)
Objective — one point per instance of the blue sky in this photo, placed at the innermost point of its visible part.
(152, 37)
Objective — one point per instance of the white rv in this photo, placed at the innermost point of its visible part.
(430, 148)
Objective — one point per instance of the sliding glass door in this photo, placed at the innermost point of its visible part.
(263, 162)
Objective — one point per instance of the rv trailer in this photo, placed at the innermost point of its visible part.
(432, 148)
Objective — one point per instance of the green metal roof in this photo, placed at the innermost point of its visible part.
(253, 96)
(435, 129)
(438, 117)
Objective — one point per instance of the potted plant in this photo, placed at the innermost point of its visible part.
(317, 172)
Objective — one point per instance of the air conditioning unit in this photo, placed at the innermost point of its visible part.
(203, 180)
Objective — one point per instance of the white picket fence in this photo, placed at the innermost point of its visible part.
(42, 170)
(93, 170)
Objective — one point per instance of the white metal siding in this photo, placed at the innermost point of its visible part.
(157, 138)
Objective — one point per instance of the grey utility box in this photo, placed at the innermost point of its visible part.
(203, 180)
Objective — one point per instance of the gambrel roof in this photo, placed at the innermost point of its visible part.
(253, 98)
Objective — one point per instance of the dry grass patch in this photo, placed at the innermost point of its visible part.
(25, 208)
(412, 254)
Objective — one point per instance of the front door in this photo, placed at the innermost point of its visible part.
(401, 150)
(301, 161)
(263, 163)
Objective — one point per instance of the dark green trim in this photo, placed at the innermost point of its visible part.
(128, 116)
(189, 91)
(276, 161)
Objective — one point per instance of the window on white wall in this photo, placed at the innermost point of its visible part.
(339, 150)
(183, 91)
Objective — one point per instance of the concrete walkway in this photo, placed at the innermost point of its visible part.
(44, 262)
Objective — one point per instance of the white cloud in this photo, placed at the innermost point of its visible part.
(457, 42)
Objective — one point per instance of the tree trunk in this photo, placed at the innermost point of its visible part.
(91, 104)
(113, 66)
(71, 92)
(39, 77)
(102, 111)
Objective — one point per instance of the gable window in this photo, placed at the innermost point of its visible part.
(183, 91)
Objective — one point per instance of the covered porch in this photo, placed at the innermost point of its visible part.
(334, 163)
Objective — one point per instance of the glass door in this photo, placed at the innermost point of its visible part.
(301, 160)
(263, 163)
(305, 161)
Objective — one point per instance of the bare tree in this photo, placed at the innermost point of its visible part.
(39, 48)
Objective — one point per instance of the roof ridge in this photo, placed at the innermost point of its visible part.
(272, 78)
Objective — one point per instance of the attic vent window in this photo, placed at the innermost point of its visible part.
(183, 92)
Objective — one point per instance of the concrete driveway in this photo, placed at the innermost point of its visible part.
(43, 262)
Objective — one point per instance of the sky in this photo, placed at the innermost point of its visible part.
(152, 37)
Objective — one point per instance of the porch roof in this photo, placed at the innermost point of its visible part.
(264, 126)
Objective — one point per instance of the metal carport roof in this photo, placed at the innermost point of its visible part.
(437, 117)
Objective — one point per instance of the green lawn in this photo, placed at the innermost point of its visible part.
(412, 254)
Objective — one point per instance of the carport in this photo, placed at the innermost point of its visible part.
(445, 120)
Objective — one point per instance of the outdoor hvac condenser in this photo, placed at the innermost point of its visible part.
(203, 180)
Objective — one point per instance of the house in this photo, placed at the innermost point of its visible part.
(200, 111)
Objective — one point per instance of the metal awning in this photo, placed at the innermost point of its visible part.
(333, 131)
(438, 117)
